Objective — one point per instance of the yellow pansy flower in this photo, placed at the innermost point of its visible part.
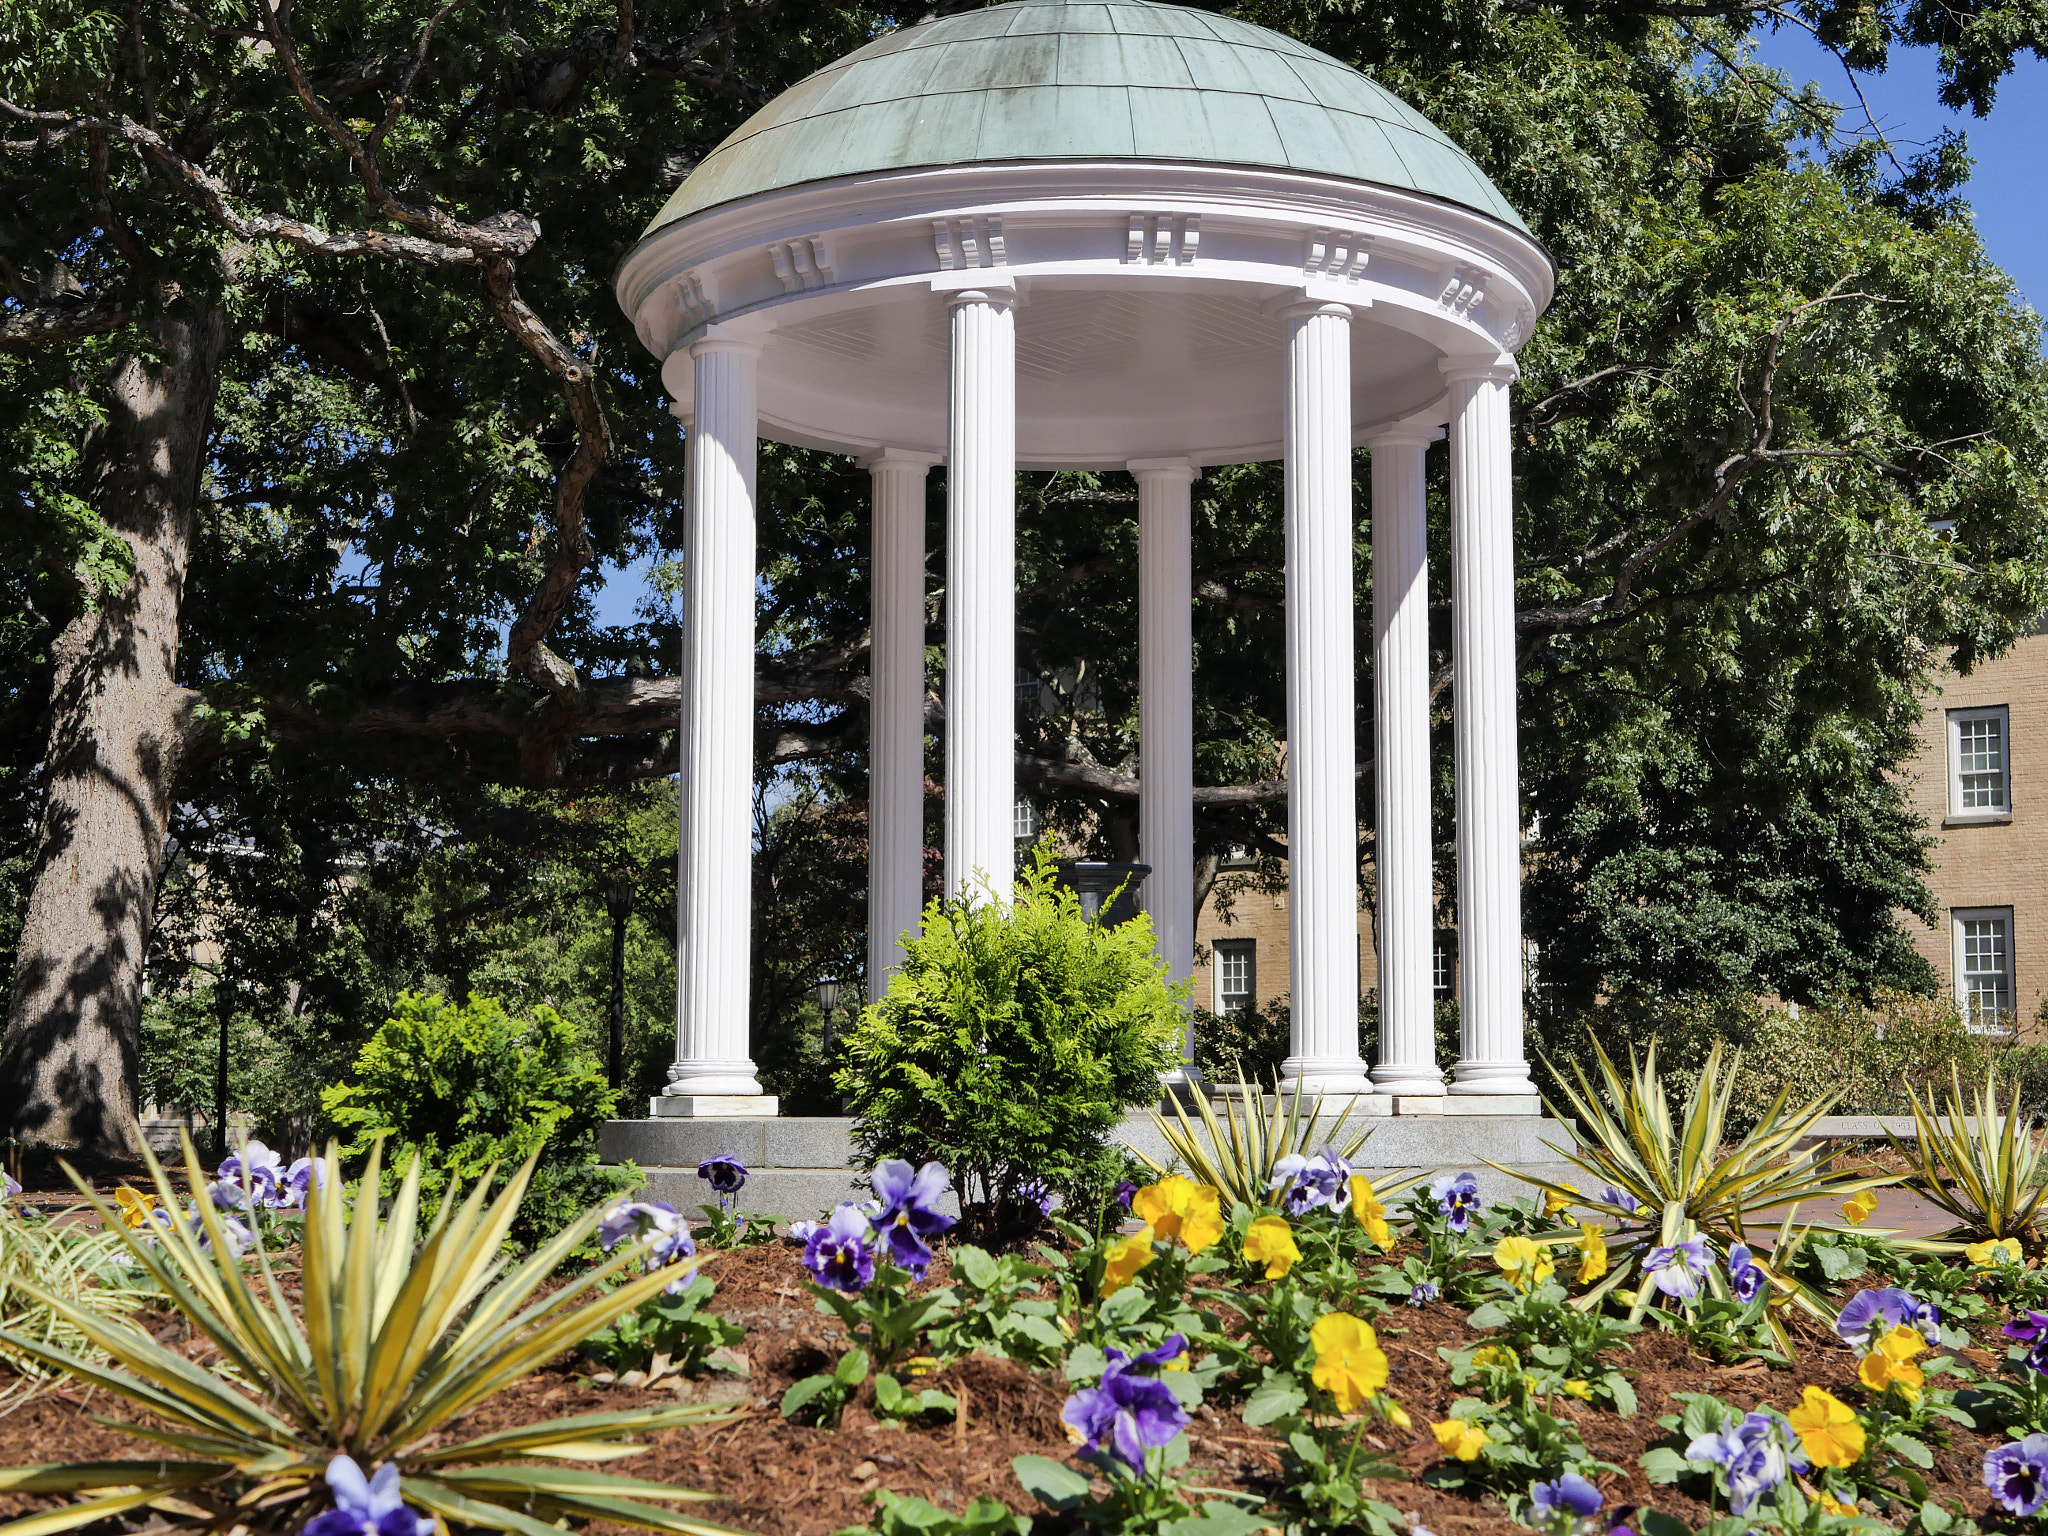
(1496, 1354)
(1828, 1430)
(1999, 1250)
(1526, 1265)
(1582, 1390)
(1857, 1208)
(1371, 1214)
(1831, 1505)
(1179, 1362)
(134, 1208)
(1397, 1414)
(1556, 1201)
(1271, 1242)
(1891, 1362)
(1125, 1259)
(1350, 1365)
(1592, 1246)
(1459, 1438)
(1178, 1207)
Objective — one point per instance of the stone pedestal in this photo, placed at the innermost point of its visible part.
(710, 1106)
(801, 1167)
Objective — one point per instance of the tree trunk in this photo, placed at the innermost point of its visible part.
(120, 732)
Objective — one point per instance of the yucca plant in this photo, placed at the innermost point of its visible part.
(1677, 1179)
(399, 1334)
(1238, 1156)
(1978, 1164)
(87, 1270)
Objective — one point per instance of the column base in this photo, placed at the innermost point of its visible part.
(1492, 1077)
(1334, 1079)
(1408, 1082)
(713, 1106)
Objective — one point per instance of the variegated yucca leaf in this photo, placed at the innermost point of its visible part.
(1684, 1179)
(1979, 1165)
(1237, 1157)
(399, 1332)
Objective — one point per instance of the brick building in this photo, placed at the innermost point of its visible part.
(1980, 781)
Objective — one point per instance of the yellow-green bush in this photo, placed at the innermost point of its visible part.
(1868, 1051)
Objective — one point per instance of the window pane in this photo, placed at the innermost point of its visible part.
(1443, 972)
(1024, 820)
(1980, 764)
(1234, 976)
(1987, 975)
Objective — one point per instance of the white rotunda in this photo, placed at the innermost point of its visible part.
(1112, 234)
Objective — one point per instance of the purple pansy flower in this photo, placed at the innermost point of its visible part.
(1039, 1193)
(1125, 1414)
(1757, 1453)
(1678, 1270)
(661, 1223)
(2017, 1474)
(254, 1176)
(1312, 1182)
(726, 1174)
(2027, 1327)
(1744, 1278)
(301, 1176)
(13, 1186)
(800, 1231)
(238, 1234)
(1425, 1292)
(909, 1215)
(1621, 1197)
(366, 1506)
(841, 1253)
(1569, 1495)
(1126, 1192)
(1870, 1315)
(1457, 1196)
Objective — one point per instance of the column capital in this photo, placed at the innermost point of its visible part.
(908, 458)
(985, 286)
(1184, 470)
(1501, 369)
(1303, 303)
(1411, 433)
(718, 338)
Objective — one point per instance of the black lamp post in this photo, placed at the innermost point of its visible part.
(828, 1004)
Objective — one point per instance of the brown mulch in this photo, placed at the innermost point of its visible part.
(793, 1480)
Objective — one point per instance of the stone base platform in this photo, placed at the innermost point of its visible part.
(802, 1166)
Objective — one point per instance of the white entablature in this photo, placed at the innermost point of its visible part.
(1143, 293)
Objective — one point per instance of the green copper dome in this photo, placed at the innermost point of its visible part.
(1086, 80)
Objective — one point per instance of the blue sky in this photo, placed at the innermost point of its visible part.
(2008, 187)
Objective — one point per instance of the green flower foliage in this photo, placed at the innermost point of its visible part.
(1011, 1043)
(470, 1087)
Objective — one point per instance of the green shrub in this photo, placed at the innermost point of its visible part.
(2025, 1067)
(1010, 1044)
(1869, 1052)
(471, 1086)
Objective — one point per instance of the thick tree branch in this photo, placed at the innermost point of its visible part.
(40, 325)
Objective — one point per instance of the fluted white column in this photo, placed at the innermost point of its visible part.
(1400, 624)
(1483, 701)
(895, 710)
(981, 595)
(716, 846)
(1322, 813)
(1166, 721)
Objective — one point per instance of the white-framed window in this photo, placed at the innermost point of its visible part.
(1443, 966)
(1984, 967)
(1979, 763)
(1024, 820)
(1236, 974)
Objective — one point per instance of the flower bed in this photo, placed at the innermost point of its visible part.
(1326, 1363)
